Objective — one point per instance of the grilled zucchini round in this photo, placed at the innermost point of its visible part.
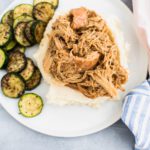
(37, 30)
(43, 11)
(20, 36)
(8, 17)
(5, 34)
(3, 59)
(12, 85)
(30, 105)
(23, 18)
(17, 62)
(34, 81)
(22, 9)
(28, 71)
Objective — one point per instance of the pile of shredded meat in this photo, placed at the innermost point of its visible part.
(83, 55)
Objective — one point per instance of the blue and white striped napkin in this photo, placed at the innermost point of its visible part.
(136, 110)
(136, 115)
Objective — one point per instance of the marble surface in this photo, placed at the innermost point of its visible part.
(14, 136)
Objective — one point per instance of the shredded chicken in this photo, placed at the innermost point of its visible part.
(83, 55)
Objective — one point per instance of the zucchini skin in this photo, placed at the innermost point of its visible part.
(20, 10)
(8, 33)
(29, 104)
(5, 62)
(10, 45)
(5, 82)
(34, 81)
(38, 35)
(17, 62)
(43, 11)
(8, 17)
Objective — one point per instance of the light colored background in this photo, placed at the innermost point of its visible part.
(14, 136)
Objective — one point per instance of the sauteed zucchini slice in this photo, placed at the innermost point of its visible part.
(28, 33)
(20, 36)
(19, 48)
(5, 34)
(10, 45)
(53, 2)
(34, 81)
(37, 30)
(3, 59)
(43, 11)
(28, 71)
(23, 18)
(30, 105)
(17, 62)
(12, 85)
(8, 17)
(22, 9)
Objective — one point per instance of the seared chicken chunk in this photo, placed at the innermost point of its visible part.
(88, 62)
(80, 18)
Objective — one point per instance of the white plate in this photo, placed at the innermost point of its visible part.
(77, 121)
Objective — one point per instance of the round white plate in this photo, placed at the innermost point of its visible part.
(71, 121)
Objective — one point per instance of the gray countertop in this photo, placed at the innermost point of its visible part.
(14, 136)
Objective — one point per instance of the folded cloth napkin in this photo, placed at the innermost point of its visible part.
(136, 109)
(136, 115)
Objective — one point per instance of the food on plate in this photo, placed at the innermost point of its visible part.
(54, 3)
(20, 69)
(3, 59)
(80, 55)
(10, 45)
(30, 105)
(27, 73)
(20, 28)
(8, 17)
(17, 62)
(12, 85)
(22, 9)
(34, 81)
(84, 56)
(5, 34)
(43, 11)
